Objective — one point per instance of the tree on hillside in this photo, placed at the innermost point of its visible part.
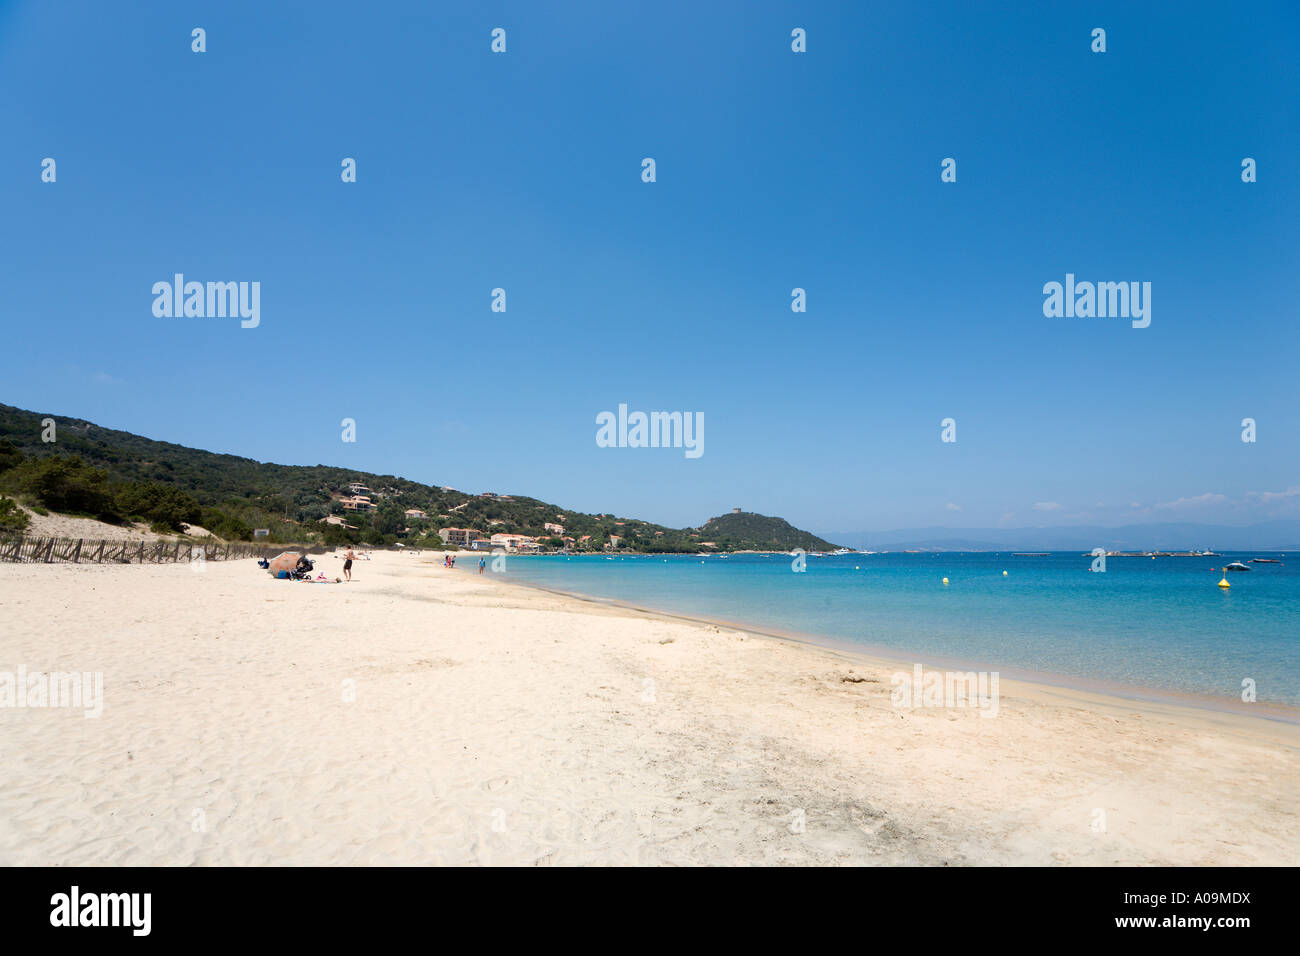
(10, 456)
(389, 519)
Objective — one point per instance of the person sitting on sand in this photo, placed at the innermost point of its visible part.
(303, 564)
(347, 564)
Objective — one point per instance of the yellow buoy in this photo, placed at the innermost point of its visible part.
(1224, 583)
(1004, 574)
(945, 580)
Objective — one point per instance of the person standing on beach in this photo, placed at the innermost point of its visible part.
(347, 564)
(481, 562)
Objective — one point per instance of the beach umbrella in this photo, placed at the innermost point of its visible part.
(284, 561)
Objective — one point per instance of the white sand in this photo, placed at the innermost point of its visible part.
(496, 724)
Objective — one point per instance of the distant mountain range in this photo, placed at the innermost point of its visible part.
(1281, 535)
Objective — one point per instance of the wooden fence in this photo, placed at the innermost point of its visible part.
(28, 550)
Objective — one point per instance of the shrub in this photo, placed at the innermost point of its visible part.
(68, 484)
(225, 526)
(165, 507)
(12, 518)
(335, 535)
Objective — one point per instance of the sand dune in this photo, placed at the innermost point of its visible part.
(53, 525)
(420, 715)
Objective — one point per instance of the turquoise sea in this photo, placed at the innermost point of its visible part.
(1144, 623)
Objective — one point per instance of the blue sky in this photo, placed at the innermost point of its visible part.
(775, 170)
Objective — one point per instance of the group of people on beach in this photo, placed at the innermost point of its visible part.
(449, 561)
(305, 566)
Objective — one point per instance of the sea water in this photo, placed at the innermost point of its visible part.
(1158, 623)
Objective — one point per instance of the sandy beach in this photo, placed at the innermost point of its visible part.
(426, 716)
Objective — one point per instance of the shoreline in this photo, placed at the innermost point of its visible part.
(876, 655)
(415, 717)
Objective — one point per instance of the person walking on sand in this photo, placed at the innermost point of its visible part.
(347, 564)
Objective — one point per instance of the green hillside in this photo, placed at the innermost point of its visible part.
(746, 531)
(116, 476)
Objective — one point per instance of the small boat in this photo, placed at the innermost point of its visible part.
(1236, 566)
(1265, 561)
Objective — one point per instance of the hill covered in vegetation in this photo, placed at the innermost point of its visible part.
(116, 476)
(743, 530)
